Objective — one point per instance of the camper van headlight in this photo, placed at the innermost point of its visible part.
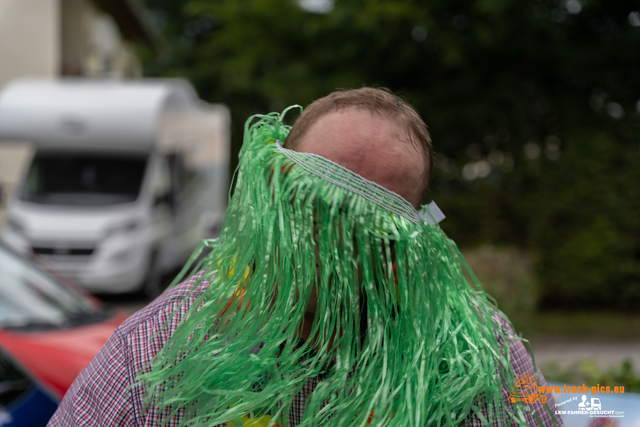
(123, 256)
(126, 227)
(15, 226)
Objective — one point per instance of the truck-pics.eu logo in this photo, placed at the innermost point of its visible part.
(526, 390)
(581, 400)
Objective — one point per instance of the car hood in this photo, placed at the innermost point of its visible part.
(57, 357)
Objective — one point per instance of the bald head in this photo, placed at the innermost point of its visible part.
(370, 145)
(373, 133)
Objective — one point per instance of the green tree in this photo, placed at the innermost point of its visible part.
(531, 105)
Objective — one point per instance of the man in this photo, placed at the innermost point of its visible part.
(328, 300)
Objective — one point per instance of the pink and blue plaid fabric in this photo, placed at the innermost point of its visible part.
(103, 395)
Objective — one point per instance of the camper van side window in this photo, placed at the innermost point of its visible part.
(183, 175)
(31, 183)
(176, 166)
(162, 192)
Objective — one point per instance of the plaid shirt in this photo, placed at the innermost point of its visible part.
(102, 394)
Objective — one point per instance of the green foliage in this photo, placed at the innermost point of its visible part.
(588, 372)
(532, 109)
(589, 325)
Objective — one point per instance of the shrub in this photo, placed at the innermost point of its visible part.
(507, 275)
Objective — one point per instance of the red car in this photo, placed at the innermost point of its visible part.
(49, 328)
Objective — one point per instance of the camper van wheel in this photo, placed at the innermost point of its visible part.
(153, 279)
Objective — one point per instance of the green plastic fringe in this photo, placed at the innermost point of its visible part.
(400, 337)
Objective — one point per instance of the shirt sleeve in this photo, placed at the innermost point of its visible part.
(99, 396)
(103, 395)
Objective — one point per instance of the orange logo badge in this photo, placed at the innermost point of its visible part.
(526, 390)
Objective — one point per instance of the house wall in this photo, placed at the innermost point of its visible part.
(29, 47)
(29, 39)
(92, 45)
(14, 159)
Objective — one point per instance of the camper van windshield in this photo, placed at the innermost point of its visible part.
(73, 179)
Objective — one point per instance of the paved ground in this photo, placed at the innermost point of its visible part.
(133, 302)
(566, 351)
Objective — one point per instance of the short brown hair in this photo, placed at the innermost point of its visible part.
(376, 100)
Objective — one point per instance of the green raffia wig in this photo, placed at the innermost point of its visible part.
(400, 337)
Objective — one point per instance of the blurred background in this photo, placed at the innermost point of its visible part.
(533, 107)
(534, 110)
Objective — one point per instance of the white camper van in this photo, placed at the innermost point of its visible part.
(125, 180)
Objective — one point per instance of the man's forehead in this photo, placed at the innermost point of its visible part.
(371, 145)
